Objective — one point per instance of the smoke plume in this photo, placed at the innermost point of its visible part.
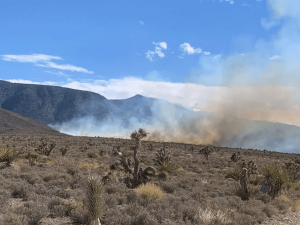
(260, 85)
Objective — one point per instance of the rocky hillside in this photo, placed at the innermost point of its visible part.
(14, 123)
(51, 104)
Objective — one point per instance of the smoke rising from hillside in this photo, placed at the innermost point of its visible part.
(258, 85)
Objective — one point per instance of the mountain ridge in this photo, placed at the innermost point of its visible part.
(66, 108)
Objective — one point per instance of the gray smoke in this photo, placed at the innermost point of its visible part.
(259, 85)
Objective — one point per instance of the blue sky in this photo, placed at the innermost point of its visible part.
(238, 56)
(111, 38)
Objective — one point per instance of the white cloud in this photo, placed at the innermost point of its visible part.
(230, 1)
(56, 73)
(34, 58)
(161, 44)
(274, 57)
(141, 22)
(188, 49)
(159, 47)
(42, 60)
(206, 53)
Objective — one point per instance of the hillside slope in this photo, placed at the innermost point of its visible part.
(14, 123)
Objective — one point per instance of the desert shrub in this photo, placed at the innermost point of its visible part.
(144, 160)
(239, 191)
(127, 153)
(281, 205)
(94, 197)
(168, 187)
(20, 191)
(149, 191)
(255, 180)
(32, 159)
(79, 215)
(35, 212)
(269, 210)
(276, 178)
(209, 216)
(89, 166)
(8, 156)
(50, 177)
(235, 173)
(265, 198)
(14, 219)
(72, 170)
(166, 166)
(162, 176)
(92, 155)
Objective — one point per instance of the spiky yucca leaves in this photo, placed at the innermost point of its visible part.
(163, 161)
(8, 156)
(94, 195)
(275, 179)
(137, 136)
(293, 169)
(235, 173)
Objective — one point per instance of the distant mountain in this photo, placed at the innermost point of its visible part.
(52, 105)
(87, 113)
(14, 123)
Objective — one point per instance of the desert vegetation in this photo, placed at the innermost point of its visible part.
(60, 179)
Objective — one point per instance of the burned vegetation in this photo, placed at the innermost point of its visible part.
(60, 179)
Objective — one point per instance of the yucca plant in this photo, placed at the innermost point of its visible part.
(94, 195)
(275, 178)
(140, 175)
(8, 156)
(163, 160)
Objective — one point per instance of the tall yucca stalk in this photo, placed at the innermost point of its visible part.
(95, 200)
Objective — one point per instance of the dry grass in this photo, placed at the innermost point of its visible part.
(149, 191)
(209, 216)
(56, 190)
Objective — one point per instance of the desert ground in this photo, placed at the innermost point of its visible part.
(46, 183)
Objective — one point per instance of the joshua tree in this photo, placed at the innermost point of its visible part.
(139, 175)
(94, 194)
(293, 170)
(244, 183)
(45, 148)
(64, 150)
(251, 168)
(8, 156)
(235, 157)
(206, 151)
